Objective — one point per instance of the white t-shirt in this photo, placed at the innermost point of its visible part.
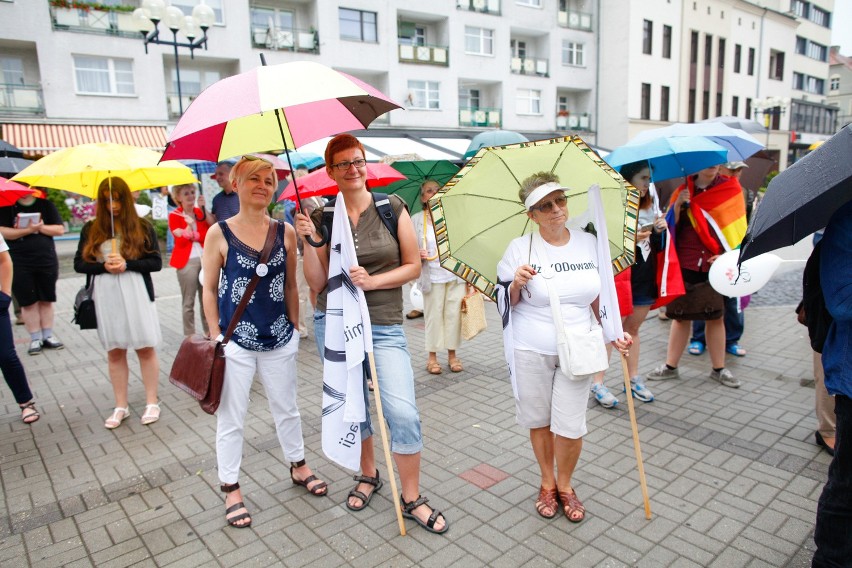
(574, 269)
(3, 246)
(437, 274)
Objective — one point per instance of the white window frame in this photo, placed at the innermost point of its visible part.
(483, 36)
(573, 53)
(834, 83)
(529, 3)
(362, 37)
(112, 74)
(424, 95)
(528, 102)
(186, 7)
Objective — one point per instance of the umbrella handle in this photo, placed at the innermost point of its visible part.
(322, 241)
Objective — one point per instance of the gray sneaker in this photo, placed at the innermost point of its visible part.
(35, 347)
(663, 373)
(726, 378)
(603, 396)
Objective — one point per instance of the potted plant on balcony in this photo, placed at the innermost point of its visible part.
(562, 118)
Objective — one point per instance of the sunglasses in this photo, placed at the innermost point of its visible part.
(251, 158)
(344, 166)
(547, 206)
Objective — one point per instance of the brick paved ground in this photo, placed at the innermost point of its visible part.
(733, 475)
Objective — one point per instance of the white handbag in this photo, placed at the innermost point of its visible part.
(581, 352)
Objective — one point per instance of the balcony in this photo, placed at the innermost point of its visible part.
(482, 6)
(575, 20)
(529, 66)
(116, 21)
(573, 122)
(424, 54)
(480, 117)
(20, 99)
(302, 41)
(173, 103)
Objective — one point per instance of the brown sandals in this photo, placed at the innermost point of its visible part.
(456, 365)
(572, 506)
(434, 368)
(228, 488)
(318, 490)
(546, 504)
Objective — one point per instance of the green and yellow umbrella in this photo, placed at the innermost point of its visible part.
(478, 212)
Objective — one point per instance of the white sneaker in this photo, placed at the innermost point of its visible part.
(35, 347)
(603, 396)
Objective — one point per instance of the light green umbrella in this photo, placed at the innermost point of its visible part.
(478, 212)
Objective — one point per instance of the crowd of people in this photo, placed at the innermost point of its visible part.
(240, 248)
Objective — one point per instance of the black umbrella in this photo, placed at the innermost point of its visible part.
(11, 159)
(7, 149)
(801, 199)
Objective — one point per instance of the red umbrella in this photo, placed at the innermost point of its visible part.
(11, 191)
(318, 182)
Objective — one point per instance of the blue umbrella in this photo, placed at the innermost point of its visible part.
(678, 156)
(307, 160)
(493, 138)
(739, 144)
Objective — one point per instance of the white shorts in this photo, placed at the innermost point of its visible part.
(546, 397)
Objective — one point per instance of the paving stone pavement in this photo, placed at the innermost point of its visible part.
(733, 475)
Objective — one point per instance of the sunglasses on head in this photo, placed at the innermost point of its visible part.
(547, 206)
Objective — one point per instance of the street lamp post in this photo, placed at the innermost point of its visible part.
(770, 107)
(147, 20)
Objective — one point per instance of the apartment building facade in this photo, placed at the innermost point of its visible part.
(456, 66)
(840, 85)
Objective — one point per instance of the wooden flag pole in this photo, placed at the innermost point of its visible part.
(385, 443)
(633, 426)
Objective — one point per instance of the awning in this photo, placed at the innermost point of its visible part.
(42, 139)
(403, 145)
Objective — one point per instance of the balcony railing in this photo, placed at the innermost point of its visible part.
(111, 22)
(20, 99)
(483, 6)
(573, 122)
(528, 66)
(480, 117)
(303, 41)
(173, 103)
(424, 54)
(575, 20)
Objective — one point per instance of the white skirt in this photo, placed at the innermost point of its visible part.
(127, 318)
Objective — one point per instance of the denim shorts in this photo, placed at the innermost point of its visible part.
(396, 383)
(642, 300)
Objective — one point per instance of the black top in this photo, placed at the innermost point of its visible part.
(145, 265)
(35, 250)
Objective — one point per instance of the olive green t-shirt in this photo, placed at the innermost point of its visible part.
(378, 252)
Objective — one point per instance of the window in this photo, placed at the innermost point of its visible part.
(738, 54)
(718, 104)
(358, 25)
(186, 7)
(103, 75)
(572, 53)
(721, 62)
(748, 109)
(691, 110)
(664, 103)
(735, 106)
(13, 70)
(708, 50)
(478, 41)
(469, 98)
(750, 67)
(193, 81)
(817, 51)
(820, 17)
(424, 95)
(528, 101)
(800, 8)
(834, 83)
(647, 36)
(776, 65)
(705, 105)
(667, 42)
(532, 3)
(562, 104)
(808, 84)
(693, 47)
(519, 48)
(801, 45)
(645, 110)
(409, 33)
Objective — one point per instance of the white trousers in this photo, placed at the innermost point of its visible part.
(277, 370)
(442, 315)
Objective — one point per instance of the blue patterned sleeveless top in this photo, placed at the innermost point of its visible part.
(264, 325)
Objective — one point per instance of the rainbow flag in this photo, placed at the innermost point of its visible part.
(718, 215)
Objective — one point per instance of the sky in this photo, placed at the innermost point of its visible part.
(841, 28)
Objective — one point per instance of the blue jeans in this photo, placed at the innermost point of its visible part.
(10, 364)
(734, 325)
(833, 534)
(170, 238)
(395, 381)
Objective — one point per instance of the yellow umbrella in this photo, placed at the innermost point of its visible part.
(816, 145)
(80, 169)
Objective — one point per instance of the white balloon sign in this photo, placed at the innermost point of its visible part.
(732, 281)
